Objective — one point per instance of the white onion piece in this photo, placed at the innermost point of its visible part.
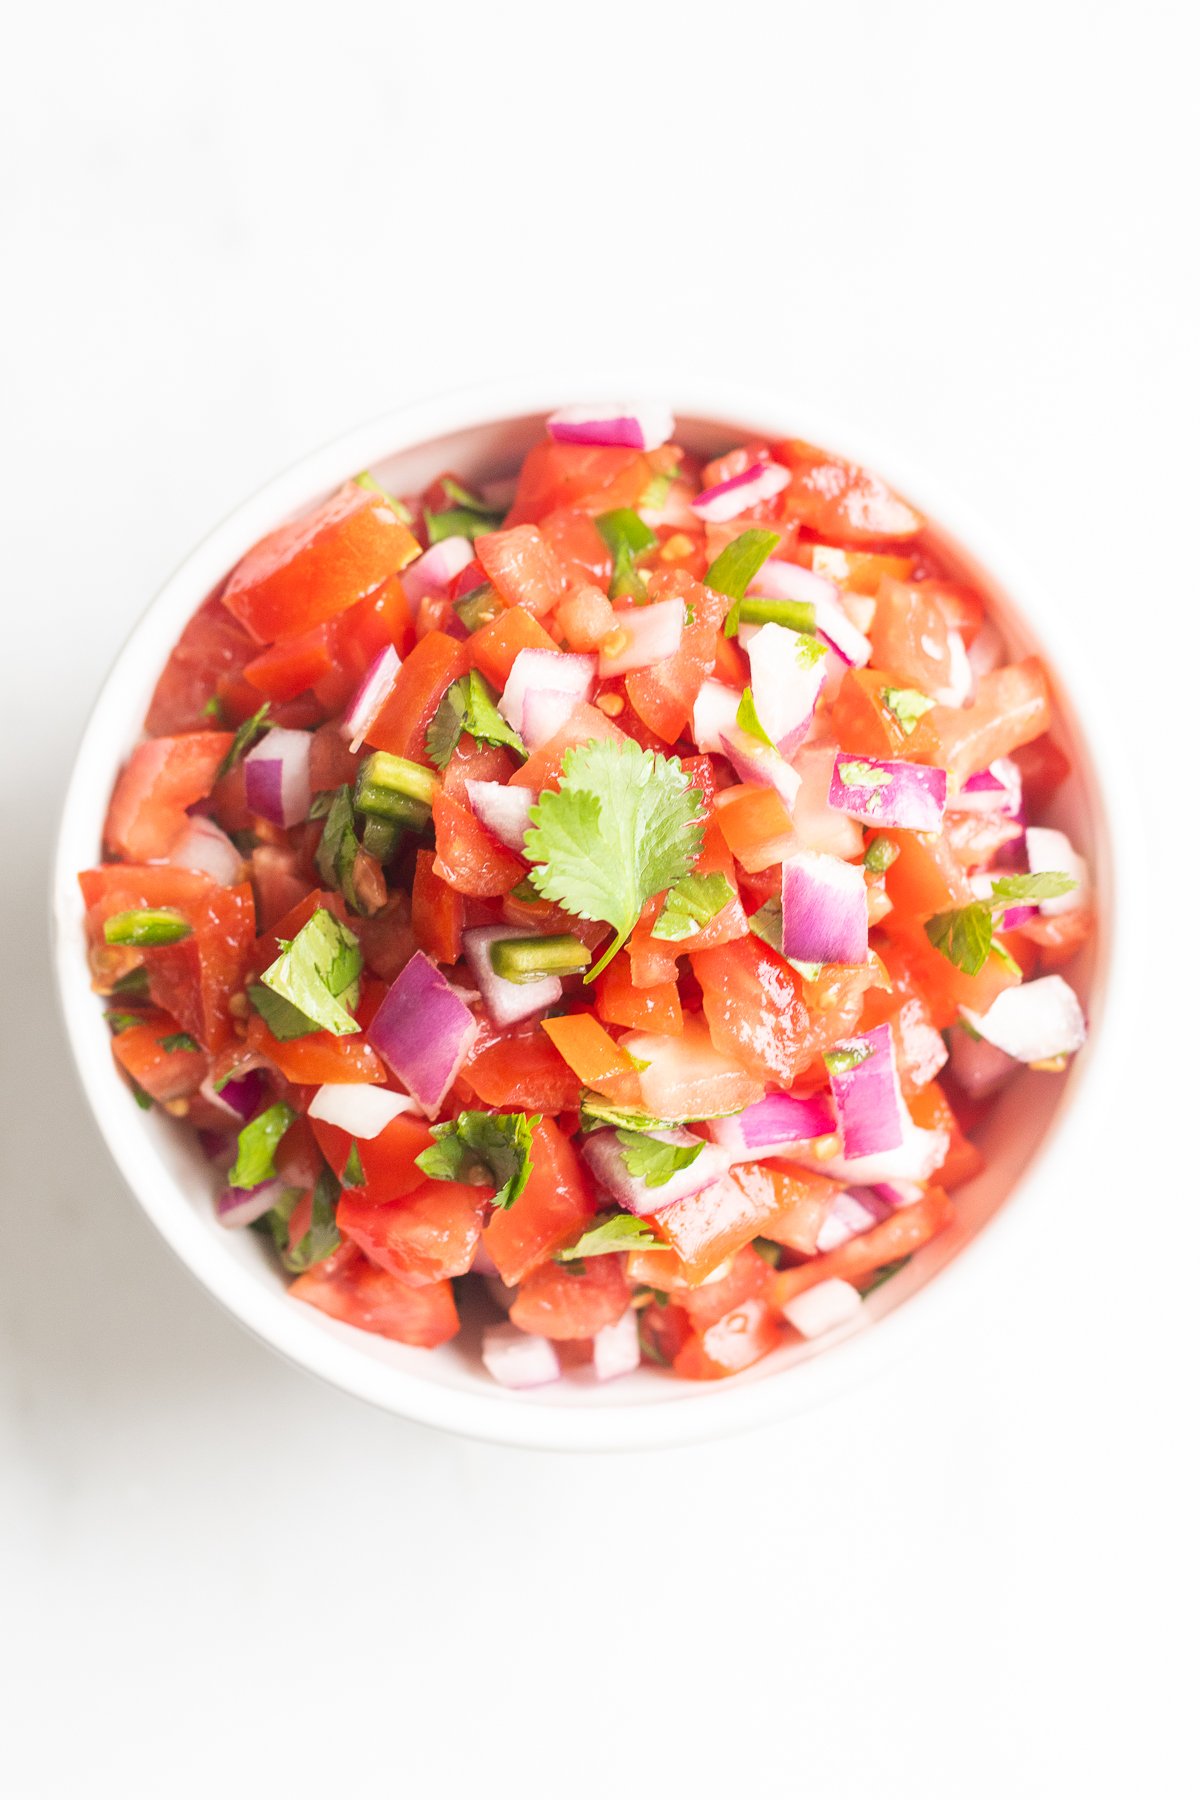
(242, 1206)
(615, 1348)
(437, 568)
(714, 714)
(604, 1154)
(502, 810)
(785, 690)
(1036, 1022)
(644, 426)
(544, 715)
(516, 1359)
(1053, 850)
(730, 499)
(507, 1002)
(551, 671)
(760, 764)
(641, 636)
(822, 1308)
(358, 1107)
(204, 847)
(373, 690)
(778, 580)
(977, 1066)
(278, 786)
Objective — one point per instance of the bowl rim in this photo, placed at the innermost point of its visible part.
(496, 1415)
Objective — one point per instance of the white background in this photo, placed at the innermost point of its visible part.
(231, 231)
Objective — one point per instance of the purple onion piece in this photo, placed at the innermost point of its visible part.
(423, 1031)
(824, 909)
(866, 1097)
(906, 796)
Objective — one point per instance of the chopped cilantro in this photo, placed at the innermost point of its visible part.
(179, 1040)
(133, 985)
(339, 847)
(401, 511)
(123, 1021)
(595, 1112)
(1029, 890)
(691, 904)
(736, 567)
(283, 1020)
(861, 774)
(611, 1234)
(653, 496)
(141, 1096)
(877, 1279)
(881, 855)
(479, 607)
(352, 1174)
(257, 1144)
(497, 1147)
(247, 734)
(213, 708)
(628, 538)
(906, 705)
(964, 935)
(472, 502)
(322, 804)
(653, 1161)
(769, 1252)
(322, 1237)
(469, 705)
(317, 973)
(624, 824)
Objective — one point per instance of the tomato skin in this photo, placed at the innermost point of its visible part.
(353, 1290)
(581, 551)
(522, 568)
(663, 696)
(743, 1337)
(926, 876)
(468, 858)
(429, 1235)
(522, 1068)
(756, 826)
(437, 912)
(318, 565)
(401, 723)
(575, 1300)
(839, 500)
(620, 1002)
(552, 1210)
(688, 1076)
(163, 777)
(907, 1229)
(212, 651)
(284, 670)
(494, 648)
(754, 1004)
(163, 1074)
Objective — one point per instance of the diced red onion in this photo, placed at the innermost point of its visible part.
(437, 567)
(866, 1097)
(545, 671)
(242, 1206)
(824, 909)
(278, 787)
(516, 1359)
(772, 1125)
(204, 847)
(785, 690)
(994, 789)
(778, 580)
(240, 1096)
(499, 1292)
(423, 1031)
(822, 1308)
(642, 635)
(916, 1158)
(1036, 1022)
(219, 1147)
(854, 1211)
(977, 1066)
(616, 1350)
(760, 764)
(604, 1154)
(359, 1107)
(507, 1002)
(714, 715)
(502, 810)
(906, 796)
(1049, 850)
(373, 690)
(900, 1193)
(644, 426)
(729, 499)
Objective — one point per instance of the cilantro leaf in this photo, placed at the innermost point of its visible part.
(652, 1160)
(736, 567)
(748, 719)
(367, 480)
(283, 1020)
(861, 774)
(317, 973)
(495, 1146)
(339, 847)
(624, 824)
(472, 502)
(469, 705)
(595, 1112)
(257, 1144)
(247, 733)
(877, 1279)
(629, 539)
(118, 1022)
(1027, 890)
(691, 904)
(963, 935)
(322, 1237)
(353, 1174)
(611, 1234)
(906, 705)
(213, 708)
(179, 1040)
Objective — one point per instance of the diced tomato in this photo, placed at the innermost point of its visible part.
(163, 777)
(706, 1228)
(429, 1235)
(318, 1058)
(944, 987)
(572, 1300)
(544, 767)
(909, 634)
(687, 1077)
(285, 669)
(931, 1110)
(920, 1052)
(1058, 937)
(857, 571)
(521, 1067)
(208, 659)
(551, 1211)
(494, 648)
(1044, 768)
(437, 912)
(664, 694)
(522, 568)
(746, 1277)
(357, 1292)
(926, 877)
(960, 606)
(897, 1236)
(803, 1204)
(839, 500)
(861, 721)
(754, 1004)
(593, 479)
(580, 549)
(1011, 708)
(401, 723)
(468, 858)
(599, 1063)
(318, 565)
(756, 826)
(654, 960)
(620, 1002)
(834, 999)
(585, 617)
(663, 1330)
(389, 1160)
(163, 1073)
(743, 1337)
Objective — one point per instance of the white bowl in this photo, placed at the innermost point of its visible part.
(484, 434)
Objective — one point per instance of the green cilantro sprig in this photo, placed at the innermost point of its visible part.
(495, 1149)
(652, 1159)
(624, 824)
(316, 974)
(965, 934)
(246, 735)
(906, 705)
(322, 1237)
(257, 1144)
(611, 1234)
(469, 705)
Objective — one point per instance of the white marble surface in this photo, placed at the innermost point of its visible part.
(229, 232)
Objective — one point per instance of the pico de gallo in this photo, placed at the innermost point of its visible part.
(613, 891)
